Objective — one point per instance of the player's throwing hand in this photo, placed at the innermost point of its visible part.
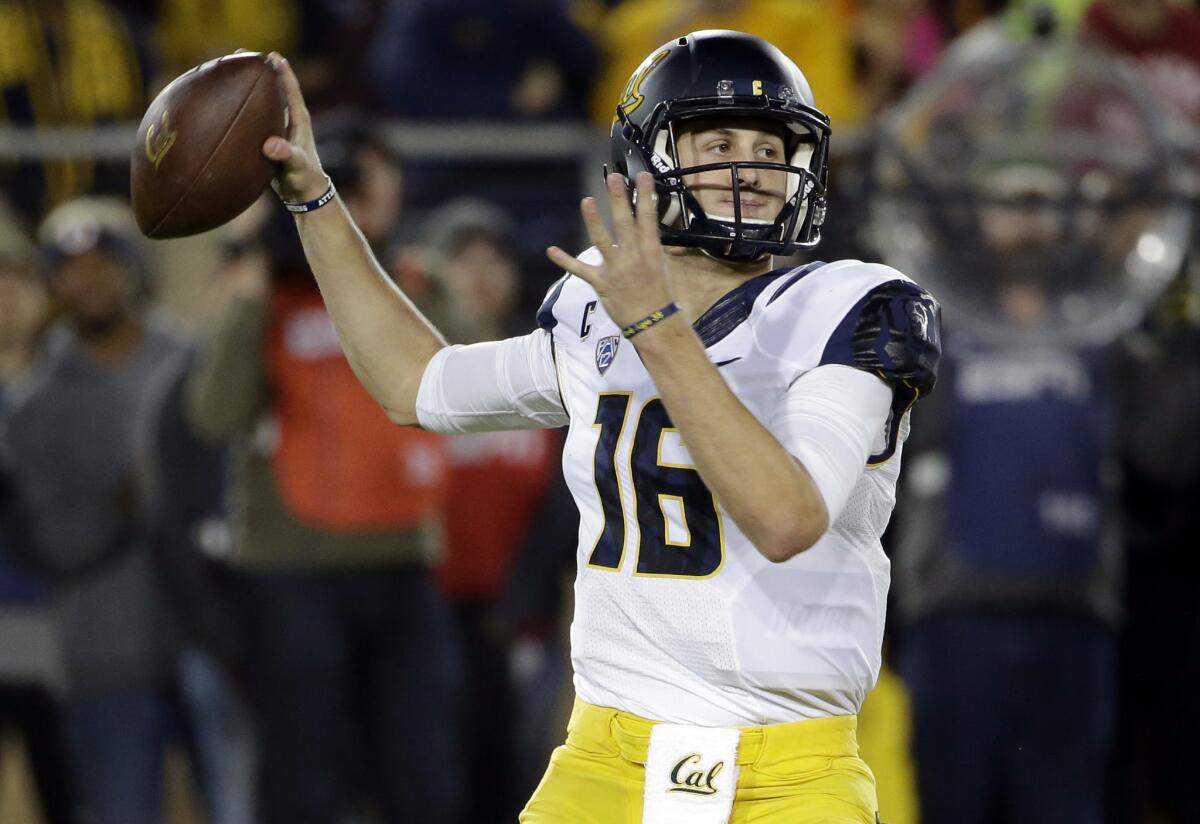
(631, 280)
(300, 177)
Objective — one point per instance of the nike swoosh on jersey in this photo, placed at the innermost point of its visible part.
(727, 362)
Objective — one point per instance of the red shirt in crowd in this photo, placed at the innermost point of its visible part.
(1168, 57)
(496, 484)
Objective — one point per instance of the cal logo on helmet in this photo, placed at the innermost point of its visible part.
(632, 97)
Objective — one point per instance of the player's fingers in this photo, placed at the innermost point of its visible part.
(647, 212)
(597, 231)
(573, 264)
(618, 197)
(277, 149)
(299, 177)
(297, 111)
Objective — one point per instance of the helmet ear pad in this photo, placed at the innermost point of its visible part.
(632, 162)
(670, 199)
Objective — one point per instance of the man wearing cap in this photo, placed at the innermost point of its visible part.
(71, 439)
(30, 663)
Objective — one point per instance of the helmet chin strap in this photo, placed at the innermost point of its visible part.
(725, 260)
(721, 259)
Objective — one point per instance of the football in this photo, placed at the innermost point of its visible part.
(198, 159)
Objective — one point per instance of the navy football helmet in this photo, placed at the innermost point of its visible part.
(717, 75)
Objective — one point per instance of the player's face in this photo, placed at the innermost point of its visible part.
(762, 191)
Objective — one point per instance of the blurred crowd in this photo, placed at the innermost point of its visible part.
(214, 545)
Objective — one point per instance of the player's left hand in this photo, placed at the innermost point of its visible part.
(632, 279)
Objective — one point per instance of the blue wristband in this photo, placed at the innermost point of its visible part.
(312, 205)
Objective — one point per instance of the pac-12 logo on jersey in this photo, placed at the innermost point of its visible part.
(606, 352)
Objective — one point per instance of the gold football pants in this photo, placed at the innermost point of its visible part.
(807, 772)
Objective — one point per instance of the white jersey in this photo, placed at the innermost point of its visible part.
(678, 617)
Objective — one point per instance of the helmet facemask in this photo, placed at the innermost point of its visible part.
(736, 237)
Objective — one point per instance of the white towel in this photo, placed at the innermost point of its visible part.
(691, 774)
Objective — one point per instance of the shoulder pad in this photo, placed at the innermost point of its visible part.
(894, 330)
(802, 314)
(565, 293)
(545, 314)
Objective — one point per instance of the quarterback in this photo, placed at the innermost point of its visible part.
(735, 434)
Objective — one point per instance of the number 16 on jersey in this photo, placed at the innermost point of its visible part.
(658, 488)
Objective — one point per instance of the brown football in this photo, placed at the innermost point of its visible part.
(198, 161)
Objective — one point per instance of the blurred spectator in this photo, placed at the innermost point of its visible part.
(192, 31)
(480, 60)
(1164, 40)
(335, 47)
(71, 437)
(185, 491)
(327, 41)
(1027, 179)
(589, 14)
(30, 658)
(816, 34)
(24, 306)
(1006, 569)
(369, 171)
(959, 15)
(456, 60)
(895, 44)
(1158, 393)
(496, 485)
(471, 60)
(470, 257)
(66, 63)
(533, 614)
(1042, 17)
(355, 664)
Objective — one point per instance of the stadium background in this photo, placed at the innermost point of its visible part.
(509, 103)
